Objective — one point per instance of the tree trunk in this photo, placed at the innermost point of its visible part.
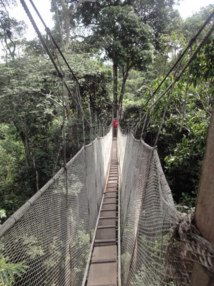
(35, 169)
(115, 76)
(58, 24)
(66, 16)
(25, 143)
(205, 207)
(11, 50)
(125, 76)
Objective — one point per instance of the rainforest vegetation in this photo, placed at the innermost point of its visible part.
(119, 51)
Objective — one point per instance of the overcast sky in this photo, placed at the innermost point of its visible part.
(186, 9)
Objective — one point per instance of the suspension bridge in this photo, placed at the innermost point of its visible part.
(107, 218)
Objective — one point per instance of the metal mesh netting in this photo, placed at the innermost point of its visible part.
(51, 233)
(159, 244)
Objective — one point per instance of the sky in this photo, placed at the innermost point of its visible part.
(186, 9)
(43, 7)
(189, 7)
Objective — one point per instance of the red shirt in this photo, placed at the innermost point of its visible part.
(115, 123)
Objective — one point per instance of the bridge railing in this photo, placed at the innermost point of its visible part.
(51, 232)
(147, 215)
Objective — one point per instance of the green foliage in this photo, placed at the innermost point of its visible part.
(2, 215)
(31, 121)
(124, 37)
(183, 135)
(155, 247)
(10, 31)
(80, 243)
(32, 247)
(132, 34)
(125, 262)
(8, 270)
(183, 139)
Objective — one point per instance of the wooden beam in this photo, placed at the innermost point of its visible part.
(204, 214)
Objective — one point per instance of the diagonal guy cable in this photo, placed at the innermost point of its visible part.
(60, 75)
(185, 67)
(191, 42)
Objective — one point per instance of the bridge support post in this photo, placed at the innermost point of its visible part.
(205, 207)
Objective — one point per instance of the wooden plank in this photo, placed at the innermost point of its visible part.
(107, 226)
(111, 190)
(103, 274)
(110, 200)
(107, 221)
(109, 207)
(108, 214)
(103, 267)
(105, 234)
(110, 195)
(104, 253)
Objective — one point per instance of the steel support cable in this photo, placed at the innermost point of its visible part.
(53, 40)
(185, 98)
(163, 117)
(191, 42)
(144, 124)
(60, 75)
(80, 103)
(61, 54)
(64, 143)
(185, 67)
(137, 122)
(165, 109)
(40, 37)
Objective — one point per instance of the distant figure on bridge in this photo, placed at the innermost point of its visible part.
(115, 124)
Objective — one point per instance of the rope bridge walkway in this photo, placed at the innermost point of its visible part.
(103, 261)
(107, 218)
(71, 232)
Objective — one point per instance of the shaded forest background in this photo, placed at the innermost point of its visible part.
(119, 52)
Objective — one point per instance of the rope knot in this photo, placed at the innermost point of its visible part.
(185, 247)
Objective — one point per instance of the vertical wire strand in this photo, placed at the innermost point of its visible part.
(64, 143)
(163, 117)
(167, 104)
(144, 124)
(186, 91)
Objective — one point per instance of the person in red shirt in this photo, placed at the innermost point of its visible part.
(115, 124)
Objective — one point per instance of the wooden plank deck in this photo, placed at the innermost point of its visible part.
(103, 269)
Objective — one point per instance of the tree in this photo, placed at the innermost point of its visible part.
(10, 30)
(126, 41)
(64, 20)
(88, 10)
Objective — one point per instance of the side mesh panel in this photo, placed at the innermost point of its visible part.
(147, 213)
(51, 233)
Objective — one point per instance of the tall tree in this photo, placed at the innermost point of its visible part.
(64, 19)
(126, 41)
(156, 13)
(10, 30)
